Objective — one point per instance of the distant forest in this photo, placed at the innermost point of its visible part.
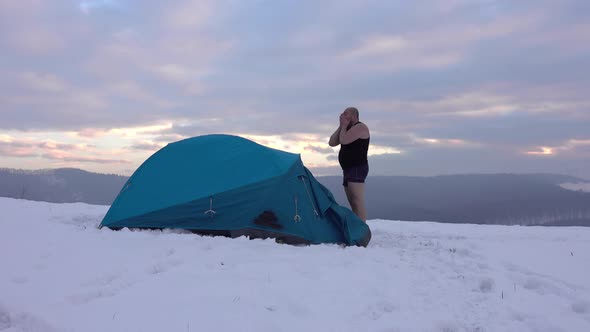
(507, 199)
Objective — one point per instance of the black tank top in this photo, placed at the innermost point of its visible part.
(355, 153)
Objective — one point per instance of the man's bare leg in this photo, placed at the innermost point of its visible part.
(349, 196)
(355, 192)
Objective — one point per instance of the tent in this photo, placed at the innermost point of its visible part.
(228, 185)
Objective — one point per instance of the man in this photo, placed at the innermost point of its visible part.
(353, 137)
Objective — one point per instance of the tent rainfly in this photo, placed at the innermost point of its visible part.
(231, 186)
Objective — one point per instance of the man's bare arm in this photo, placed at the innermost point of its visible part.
(335, 138)
(354, 133)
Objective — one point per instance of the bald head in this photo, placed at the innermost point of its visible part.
(354, 112)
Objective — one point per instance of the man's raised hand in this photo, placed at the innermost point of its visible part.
(344, 121)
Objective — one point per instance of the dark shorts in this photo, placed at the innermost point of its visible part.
(356, 174)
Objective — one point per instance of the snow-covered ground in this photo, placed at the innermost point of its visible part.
(58, 272)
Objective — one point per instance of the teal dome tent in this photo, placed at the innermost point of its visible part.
(228, 185)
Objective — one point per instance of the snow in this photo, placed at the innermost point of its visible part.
(58, 272)
(577, 186)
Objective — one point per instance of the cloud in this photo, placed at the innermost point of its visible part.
(60, 146)
(190, 14)
(378, 46)
(149, 146)
(134, 92)
(52, 150)
(499, 77)
(230, 65)
(28, 30)
(102, 54)
(518, 129)
(36, 40)
(91, 132)
(7, 140)
(73, 158)
(19, 153)
(87, 7)
(318, 149)
(429, 161)
(574, 148)
(155, 129)
(544, 151)
(16, 149)
(392, 53)
(42, 82)
(173, 72)
(168, 138)
(579, 144)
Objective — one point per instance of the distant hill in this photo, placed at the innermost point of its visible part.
(509, 199)
(62, 185)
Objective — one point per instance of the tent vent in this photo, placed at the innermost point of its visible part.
(268, 219)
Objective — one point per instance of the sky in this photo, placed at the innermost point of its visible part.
(445, 86)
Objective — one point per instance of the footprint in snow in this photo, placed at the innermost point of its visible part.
(20, 280)
(103, 280)
(4, 319)
(39, 267)
(454, 327)
(542, 285)
(378, 309)
(447, 327)
(391, 329)
(80, 222)
(581, 307)
(92, 295)
(22, 322)
(161, 267)
(483, 266)
(110, 288)
(486, 285)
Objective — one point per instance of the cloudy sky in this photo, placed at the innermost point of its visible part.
(445, 86)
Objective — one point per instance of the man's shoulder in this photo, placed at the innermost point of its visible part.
(360, 125)
(363, 126)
